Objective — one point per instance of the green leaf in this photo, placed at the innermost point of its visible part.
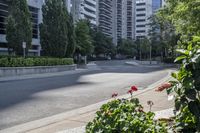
(194, 107)
(170, 90)
(182, 51)
(174, 75)
(191, 94)
(180, 58)
(177, 104)
(189, 47)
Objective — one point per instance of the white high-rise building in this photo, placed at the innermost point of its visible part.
(144, 10)
(125, 19)
(84, 9)
(116, 19)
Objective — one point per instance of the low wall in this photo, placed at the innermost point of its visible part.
(16, 71)
(149, 62)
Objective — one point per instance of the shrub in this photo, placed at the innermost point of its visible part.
(186, 89)
(124, 116)
(27, 62)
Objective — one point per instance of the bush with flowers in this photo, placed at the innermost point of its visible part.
(124, 116)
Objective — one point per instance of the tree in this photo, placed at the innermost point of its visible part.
(127, 48)
(144, 47)
(110, 47)
(185, 16)
(18, 27)
(162, 35)
(83, 39)
(71, 37)
(103, 44)
(54, 29)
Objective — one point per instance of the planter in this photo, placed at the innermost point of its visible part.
(17, 71)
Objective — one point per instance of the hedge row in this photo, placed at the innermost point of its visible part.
(27, 62)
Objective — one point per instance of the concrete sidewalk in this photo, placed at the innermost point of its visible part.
(77, 123)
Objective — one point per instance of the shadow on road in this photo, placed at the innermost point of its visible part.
(15, 92)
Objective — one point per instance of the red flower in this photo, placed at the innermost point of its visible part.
(134, 88)
(114, 95)
(130, 91)
(163, 87)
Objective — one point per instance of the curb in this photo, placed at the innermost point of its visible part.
(84, 110)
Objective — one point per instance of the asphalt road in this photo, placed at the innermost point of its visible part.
(31, 99)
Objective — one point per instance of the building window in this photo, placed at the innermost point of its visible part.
(4, 14)
(90, 4)
(140, 15)
(140, 31)
(141, 4)
(140, 37)
(140, 20)
(140, 26)
(141, 9)
(34, 18)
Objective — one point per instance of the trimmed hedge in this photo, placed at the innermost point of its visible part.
(28, 62)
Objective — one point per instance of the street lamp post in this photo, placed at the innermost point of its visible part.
(150, 53)
(24, 48)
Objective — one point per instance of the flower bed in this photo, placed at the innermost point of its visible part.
(124, 115)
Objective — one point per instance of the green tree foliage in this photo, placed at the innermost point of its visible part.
(162, 35)
(83, 39)
(127, 48)
(18, 27)
(103, 44)
(144, 47)
(54, 29)
(184, 14)
(71, 37)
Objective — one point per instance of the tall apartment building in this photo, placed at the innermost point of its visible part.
(84, 9)
(106, 20)
(36, 12)
(116, 19)
(144, 10)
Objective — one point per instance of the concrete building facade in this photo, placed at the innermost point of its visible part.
(105, 17)
(116, 19)
(36, 13)
(143, 11)
(84, 9)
